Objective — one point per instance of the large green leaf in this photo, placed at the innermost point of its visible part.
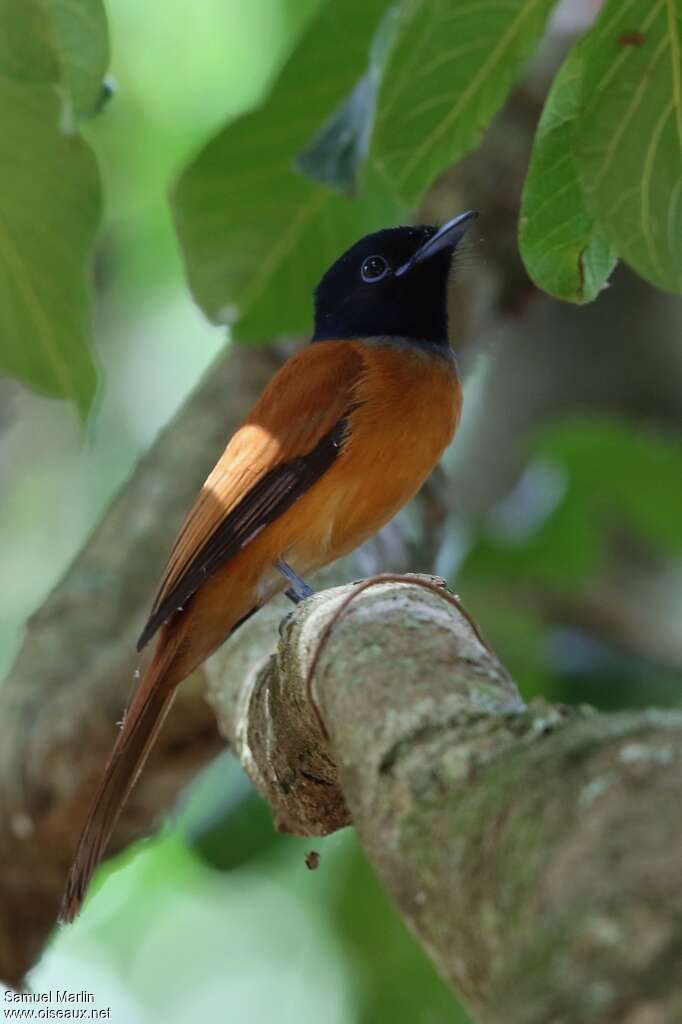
(564, 250)
(629, 135)
(256, 233)
(49, 211)
(49, 192)
(445, 78)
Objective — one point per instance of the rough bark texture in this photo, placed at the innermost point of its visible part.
(533, 851)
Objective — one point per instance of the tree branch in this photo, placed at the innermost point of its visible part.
(531, 850)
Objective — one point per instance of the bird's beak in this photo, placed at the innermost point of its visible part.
(447, 237)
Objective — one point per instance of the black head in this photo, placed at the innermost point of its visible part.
(393, 282)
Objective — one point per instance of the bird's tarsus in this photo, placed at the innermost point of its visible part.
(300, 589)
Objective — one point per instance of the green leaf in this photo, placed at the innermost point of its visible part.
(63, 42)
(49, 191)
(49, 211)
(82, 44)
(26, 42)
(256, 233)
(445, 79)
(565, 252)
(629, 135)
(53, 55)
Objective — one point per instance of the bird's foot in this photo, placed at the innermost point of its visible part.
(299, 589)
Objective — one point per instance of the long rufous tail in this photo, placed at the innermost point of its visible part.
(144, 718)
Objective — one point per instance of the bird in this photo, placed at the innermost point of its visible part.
(343, 436)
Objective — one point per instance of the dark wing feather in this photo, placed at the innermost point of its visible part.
(268, 499)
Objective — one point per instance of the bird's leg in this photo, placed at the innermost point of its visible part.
(300, 589)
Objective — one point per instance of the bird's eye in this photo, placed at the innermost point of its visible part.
(374, 268)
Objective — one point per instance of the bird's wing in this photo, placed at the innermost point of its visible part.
(292, 436)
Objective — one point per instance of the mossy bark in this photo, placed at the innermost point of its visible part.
(533, 851)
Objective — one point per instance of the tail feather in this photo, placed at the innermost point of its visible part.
(144, 718)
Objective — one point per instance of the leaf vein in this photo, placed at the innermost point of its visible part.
(439, 129)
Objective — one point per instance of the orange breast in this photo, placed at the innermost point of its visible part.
(409, 405)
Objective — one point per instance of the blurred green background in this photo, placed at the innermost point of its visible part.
(557, 517)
